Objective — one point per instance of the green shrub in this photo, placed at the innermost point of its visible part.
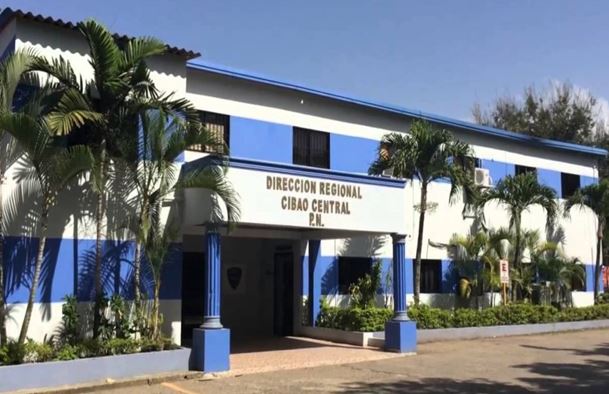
(354, 319)
(69, 332)
(363, 292)
(603, 298)
(37, 352)
(430, 318)
(68, 352)
(427, 317)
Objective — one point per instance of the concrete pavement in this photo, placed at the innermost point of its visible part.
(574, 362)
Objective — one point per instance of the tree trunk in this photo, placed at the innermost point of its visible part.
(3, 338)
(516, 253)
(99, 217)
(597, 265)
(136, 283)
(417, 265)
(37, 269)
(155, 309)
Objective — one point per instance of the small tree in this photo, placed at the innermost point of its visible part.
(155, 177)
(596, 198)
(13, 71)
(51, 167)
(363, 292)
(427, 154)
(518, 194)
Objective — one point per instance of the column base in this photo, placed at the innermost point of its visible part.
(210, 350)
(401, 336)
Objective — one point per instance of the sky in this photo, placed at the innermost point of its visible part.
(434, 56)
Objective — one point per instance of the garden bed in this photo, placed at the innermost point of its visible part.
(357, 338)
(62, 373)
(374, 319)
(450, 334)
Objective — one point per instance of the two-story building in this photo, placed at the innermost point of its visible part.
(312, 220)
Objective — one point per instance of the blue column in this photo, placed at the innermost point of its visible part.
(399, 277)
(211, 343)
(314, 288)
(400, 332)
(211, 317)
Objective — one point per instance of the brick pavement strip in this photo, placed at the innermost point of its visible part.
(574, 362)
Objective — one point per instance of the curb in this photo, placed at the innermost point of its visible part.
(121, 383)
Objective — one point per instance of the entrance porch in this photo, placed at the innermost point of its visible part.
(286, 211)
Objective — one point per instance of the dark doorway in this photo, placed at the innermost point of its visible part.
(283, 305)
(193, 282)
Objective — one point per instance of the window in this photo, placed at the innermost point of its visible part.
(525, 170)
(431, 276)
(218, 126)
(311, 148)
(470, 163)
(569, 184)
(350, 269)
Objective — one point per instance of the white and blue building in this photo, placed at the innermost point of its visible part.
(312, 219)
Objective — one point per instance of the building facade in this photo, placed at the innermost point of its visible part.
(312, 219)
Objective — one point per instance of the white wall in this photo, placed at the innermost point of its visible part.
(46, 319)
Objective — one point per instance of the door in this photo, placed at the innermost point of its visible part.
(283, 304)
(193, 281)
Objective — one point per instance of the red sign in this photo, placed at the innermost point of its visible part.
(504, 271)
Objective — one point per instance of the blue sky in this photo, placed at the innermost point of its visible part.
(435, 56)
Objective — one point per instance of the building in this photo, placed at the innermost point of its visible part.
(312, 220)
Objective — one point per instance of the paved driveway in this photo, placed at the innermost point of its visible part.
(576, 362)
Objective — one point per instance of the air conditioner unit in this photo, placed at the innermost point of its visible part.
(482, 177)
(388, 172)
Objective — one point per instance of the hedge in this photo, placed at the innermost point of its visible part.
(374, 319)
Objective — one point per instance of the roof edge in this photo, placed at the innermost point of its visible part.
(9, 14)
(446, 121)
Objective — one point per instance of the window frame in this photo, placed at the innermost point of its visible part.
(346, 261)
(437, 265)
(226, 133)
(563, 177)
(308, 159)
(522, 169)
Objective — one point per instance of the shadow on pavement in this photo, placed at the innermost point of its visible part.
(587, 377)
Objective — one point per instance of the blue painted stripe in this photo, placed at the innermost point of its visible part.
(551, 179)
(587, 180)
(497, 169)
(449, 277)
(259, 140)
(68, 268)
(352, 154)
(467, 126)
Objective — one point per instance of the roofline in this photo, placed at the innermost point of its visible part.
(8, 14)
(486, 130)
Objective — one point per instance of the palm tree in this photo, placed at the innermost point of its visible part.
(596, 198)
(427, 154)
(51, 168)
(518, 194)
(100, 109)
(466, 252)
(13, 70)
(497, 248)
(155, 176)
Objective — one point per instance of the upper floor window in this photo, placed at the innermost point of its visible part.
(525, 169)
(350, 270)
(431, 276)
(311, 148)
(569, 184)
(218, 126)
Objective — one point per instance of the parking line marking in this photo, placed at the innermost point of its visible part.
(177, 388)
